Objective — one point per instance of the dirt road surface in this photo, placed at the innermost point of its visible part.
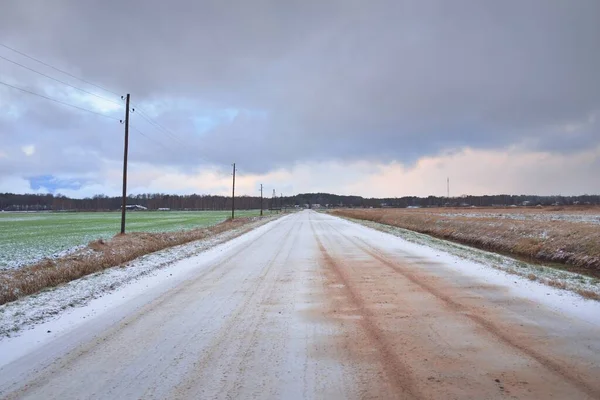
(313, 306)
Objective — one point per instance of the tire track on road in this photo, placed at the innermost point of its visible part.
(567, 372)
(399, 374)
(258, 321)
(264, 285)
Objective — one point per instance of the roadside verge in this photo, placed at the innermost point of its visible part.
(106, 296)
(586, 286)
(101, 255)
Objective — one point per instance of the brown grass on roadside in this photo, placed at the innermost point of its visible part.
(556, 283)
(588, 294)
(104, 254)
(572, 243)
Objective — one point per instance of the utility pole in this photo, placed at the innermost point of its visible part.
(448, 187)
(124, 205)
(280, 202)
(233, 195)
(261, 201)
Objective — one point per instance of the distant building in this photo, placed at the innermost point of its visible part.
(135, 207)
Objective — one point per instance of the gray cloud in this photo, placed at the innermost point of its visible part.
(346, 80)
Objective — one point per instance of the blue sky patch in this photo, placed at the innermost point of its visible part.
(52, 183)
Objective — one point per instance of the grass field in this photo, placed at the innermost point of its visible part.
(28, 237)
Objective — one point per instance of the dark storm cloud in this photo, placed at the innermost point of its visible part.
(312, 80)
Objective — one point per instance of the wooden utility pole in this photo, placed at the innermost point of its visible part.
(233, 195)
(261, 201)
(273, 201)
(124, 204)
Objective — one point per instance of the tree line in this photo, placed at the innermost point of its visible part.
(333, 200)
(154, 201)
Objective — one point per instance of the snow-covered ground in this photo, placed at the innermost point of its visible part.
(530, 216)
(29, 311)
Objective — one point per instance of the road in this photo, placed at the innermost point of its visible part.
(313, 306)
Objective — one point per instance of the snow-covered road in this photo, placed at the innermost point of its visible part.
(313, 306)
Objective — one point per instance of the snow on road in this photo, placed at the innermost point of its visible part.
(25, 313)
(312, 306)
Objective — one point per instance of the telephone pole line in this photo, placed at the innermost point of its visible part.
(233, 195)
(261, 201)
(124, 205)
(274, 201)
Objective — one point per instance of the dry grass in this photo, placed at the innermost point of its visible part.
(588, 294)
(556, 283)
(98, 255)
(571, 243)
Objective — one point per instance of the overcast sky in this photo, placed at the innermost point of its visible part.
(375, 98)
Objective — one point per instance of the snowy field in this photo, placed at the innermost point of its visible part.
(588, 218)
(28, 237)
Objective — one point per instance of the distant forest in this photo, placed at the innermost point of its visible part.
(40, 202)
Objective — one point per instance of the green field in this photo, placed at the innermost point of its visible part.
(28, 237)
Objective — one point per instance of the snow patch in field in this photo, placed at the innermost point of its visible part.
(547, 216)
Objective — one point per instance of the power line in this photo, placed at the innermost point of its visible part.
(59, 81)
(59, 101)
(150, 138)
(158, 126)
(141, 113)
(158, 143)
(58, 69)
(164, 130)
